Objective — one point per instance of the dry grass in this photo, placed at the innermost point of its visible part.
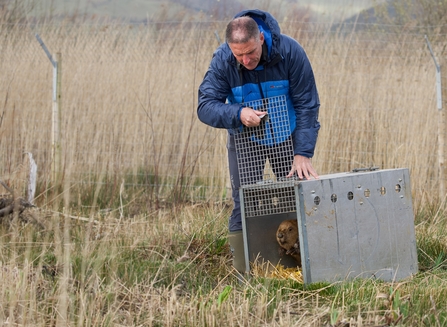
(113, 254)
(172, 268)
(129, 96)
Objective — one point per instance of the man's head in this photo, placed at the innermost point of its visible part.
(245, 41)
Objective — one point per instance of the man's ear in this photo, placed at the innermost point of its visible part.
(261, 37)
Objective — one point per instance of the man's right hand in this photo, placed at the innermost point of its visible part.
(251, 117)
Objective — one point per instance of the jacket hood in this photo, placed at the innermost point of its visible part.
(267, 24)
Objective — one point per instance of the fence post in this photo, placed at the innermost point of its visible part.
(441, 123)
(442, 85)
(56, 111)
(56, 162)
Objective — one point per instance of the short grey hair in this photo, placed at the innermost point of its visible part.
(247, 27)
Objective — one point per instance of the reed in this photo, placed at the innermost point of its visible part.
(115, 251)
(129, 95)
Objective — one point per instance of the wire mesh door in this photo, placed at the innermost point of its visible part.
(265, 152)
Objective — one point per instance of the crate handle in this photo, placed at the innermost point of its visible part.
(356, 170)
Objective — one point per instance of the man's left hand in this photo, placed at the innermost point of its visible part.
(303, 168)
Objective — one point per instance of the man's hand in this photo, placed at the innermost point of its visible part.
(303, 168)
(251, 117)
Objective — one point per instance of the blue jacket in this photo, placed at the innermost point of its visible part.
(287, 71)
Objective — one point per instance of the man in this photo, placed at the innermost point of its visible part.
(258, 62)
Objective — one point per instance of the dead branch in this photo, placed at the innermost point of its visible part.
(11, 204)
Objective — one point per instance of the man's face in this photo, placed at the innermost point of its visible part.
(248, 54)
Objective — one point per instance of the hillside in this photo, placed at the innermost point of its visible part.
(203, 10)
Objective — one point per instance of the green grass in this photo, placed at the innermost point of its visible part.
(172, 267)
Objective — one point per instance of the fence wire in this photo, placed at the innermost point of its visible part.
(129, 97)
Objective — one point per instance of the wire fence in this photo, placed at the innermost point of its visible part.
(128, 107)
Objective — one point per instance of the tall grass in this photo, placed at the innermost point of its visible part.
(129, 95)
(114, 253)
(172, 268)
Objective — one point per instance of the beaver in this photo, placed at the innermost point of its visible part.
(287, 237)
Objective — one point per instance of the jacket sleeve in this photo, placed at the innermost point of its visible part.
(213, 92)
(305, 100)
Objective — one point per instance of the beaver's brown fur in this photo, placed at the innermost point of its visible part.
(287, 237)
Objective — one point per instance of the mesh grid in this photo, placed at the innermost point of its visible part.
(265, 156)
(269, 198)
(265, 152)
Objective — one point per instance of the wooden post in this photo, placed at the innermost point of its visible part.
(56, 137)
(56, 117)
(441, 145)
(441, 97)
(441, 123)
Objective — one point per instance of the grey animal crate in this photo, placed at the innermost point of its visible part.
(355, 224)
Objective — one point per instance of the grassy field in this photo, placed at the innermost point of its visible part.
(134, 231)
(172, 268)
